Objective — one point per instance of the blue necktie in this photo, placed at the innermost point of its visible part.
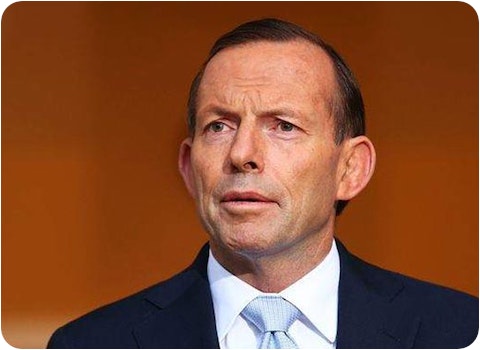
(272, 315)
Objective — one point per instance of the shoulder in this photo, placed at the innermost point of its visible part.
(111, 326)
(446, 317)
(423, 294)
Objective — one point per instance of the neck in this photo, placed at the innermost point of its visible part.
(273, 272)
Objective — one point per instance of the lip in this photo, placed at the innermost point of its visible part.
(246, 203)
(245, 197)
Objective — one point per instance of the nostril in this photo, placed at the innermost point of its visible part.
(250, 166)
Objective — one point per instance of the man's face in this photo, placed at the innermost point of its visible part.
(262, 165)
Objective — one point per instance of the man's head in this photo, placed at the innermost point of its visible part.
(276, 125)
(346, 102)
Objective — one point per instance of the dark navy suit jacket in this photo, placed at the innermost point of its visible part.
(376, 309)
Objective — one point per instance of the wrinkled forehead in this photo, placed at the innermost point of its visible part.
(297, 66)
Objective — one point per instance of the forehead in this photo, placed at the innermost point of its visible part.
(293, 67)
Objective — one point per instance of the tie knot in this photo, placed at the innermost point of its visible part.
(271, 313)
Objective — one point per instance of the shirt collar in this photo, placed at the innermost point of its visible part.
(315, 295)
(230, 295)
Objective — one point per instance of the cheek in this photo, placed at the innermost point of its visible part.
(205, 171)
(310, 178)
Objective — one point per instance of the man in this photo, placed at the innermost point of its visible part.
(276, 149)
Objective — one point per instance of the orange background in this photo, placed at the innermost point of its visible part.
(93, 106)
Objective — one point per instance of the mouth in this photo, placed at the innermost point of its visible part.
(248, 197)
(250, 202)
(239, 204)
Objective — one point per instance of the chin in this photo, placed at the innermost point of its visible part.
(247, 244)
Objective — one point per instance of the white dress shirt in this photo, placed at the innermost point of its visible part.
(315, 295)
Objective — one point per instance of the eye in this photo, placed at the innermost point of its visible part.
(286, 126)
(216, 127)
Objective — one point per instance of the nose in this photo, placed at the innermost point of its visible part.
(246, 152)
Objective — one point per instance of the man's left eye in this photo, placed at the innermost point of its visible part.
(286, 126)
(216, 126)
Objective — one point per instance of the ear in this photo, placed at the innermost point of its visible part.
(356, 167)
(185, 165)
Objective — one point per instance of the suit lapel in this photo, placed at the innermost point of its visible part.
(181, 312)
(369, 315)
(370, 312)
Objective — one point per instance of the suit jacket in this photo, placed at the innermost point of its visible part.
(376, 309)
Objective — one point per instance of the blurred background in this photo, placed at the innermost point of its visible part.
(93, 110)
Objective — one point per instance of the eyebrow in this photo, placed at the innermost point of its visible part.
(285, 111)
(221, 111)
